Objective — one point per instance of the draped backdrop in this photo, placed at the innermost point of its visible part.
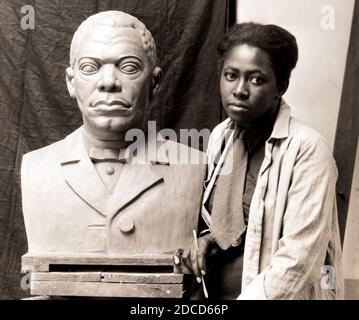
(35, 109)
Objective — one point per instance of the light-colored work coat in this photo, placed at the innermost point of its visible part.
(292, 245)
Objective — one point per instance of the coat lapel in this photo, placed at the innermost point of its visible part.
(280, 131)
(80, 174)
(134, 180)
(138, 175)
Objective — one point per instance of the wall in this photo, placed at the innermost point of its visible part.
(315, 89)
(351, 240)
(316, 86)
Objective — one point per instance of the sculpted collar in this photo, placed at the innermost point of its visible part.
(100, 150)
(141, 151)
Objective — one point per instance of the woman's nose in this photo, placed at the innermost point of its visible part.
(241, 90)
(109, 81)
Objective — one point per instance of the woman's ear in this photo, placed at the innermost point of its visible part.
(70, 79)
(156, 81)
(282, 88)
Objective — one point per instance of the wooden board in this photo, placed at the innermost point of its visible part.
(100, 282)
(156, 278)
(116, 277)
(67, 276)
(106, 289)
(41, 263)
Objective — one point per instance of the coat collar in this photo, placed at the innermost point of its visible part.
(135, 179)
(280, 131)
(146, 152)
(281, 124)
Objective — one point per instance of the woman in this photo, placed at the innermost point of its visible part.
(269, 201)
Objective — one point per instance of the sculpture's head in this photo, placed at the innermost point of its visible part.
(113, 73)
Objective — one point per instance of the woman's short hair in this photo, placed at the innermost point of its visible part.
(280, 45)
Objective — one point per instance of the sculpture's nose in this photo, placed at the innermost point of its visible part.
(109, 82)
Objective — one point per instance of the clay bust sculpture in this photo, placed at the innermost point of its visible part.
(83, 194)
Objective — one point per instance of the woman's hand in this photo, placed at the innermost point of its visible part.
(193, 260)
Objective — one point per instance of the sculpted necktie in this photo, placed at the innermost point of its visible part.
(227, 219)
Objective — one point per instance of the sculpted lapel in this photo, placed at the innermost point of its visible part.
(137, 177)
(80, 174)
(134, 180)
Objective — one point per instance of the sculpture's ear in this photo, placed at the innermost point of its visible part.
(156, 81)
(70, 79)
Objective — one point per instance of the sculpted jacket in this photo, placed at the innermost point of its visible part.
(292, 245)
(153, 207)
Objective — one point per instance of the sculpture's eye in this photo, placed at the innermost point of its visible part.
(88, 68)
(129, 68)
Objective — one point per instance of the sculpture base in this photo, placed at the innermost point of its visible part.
(131, 276)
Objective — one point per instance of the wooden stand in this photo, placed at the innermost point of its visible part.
(142, 276)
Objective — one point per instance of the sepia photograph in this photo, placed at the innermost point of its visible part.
(197, 151)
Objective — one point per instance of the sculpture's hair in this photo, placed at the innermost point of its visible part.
(278, 43)
(115, 19)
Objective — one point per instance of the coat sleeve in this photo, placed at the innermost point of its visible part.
(306, 228)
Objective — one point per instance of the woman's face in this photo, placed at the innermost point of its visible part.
(248, 85)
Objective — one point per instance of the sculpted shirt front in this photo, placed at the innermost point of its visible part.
(108, 160)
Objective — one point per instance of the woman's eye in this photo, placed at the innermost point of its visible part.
(230, 76)
(129, 68)
(88, 68)
(257, 80)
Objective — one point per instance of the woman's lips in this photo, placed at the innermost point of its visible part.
(238, 106)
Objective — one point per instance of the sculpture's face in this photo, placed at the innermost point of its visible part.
(111, 80)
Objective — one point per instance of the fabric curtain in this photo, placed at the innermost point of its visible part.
(36, 110)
